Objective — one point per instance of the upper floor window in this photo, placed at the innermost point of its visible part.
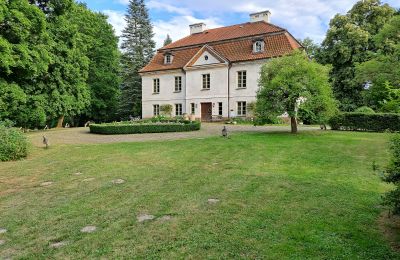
(178, 109)
(178, 84)
(241, 108)
(168, 59)
(206, 81)
(258, 46)
(242, 79)
(156, 86)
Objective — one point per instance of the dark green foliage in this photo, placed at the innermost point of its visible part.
(365, 109)
(13, 144)
(378, 122)
(145, 127)
(138, 49)
(392, 175)
(350, 40)
(168, 40)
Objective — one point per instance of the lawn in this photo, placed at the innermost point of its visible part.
(281, 196)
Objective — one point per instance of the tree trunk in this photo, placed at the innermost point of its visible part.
(293, 124)
(60, 122)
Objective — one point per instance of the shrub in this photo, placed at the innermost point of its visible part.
(143, 127)
(13, 144)
(365, 110)
(392, 175)
(166, 109)
(366, 122)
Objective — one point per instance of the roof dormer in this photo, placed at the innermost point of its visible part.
(258, 45)
(168, 58)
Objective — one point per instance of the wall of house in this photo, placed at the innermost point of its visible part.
(166, 95)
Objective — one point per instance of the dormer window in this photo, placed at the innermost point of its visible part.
(258, 46)
(168, 58)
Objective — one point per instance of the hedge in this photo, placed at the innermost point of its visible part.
(13, 144)
(378, 122)
(144, 127)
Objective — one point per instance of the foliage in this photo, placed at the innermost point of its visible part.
(349, 41)
(312, 49)
(138, 49)
(377, 122)
(392, 175)
(293, 82)
(365, 110)
(145, 127)
(166, 110)
(168, 40)
(13, 144)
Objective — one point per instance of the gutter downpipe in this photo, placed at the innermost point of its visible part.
(229, 81)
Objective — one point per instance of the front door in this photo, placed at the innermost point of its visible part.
(206, 111)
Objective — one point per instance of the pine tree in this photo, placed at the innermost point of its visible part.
(168, 40)
(138, 49)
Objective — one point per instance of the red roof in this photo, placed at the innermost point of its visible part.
(235, 43)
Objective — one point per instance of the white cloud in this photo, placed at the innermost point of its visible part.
(117, 20)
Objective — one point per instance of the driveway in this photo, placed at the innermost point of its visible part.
(83, 136)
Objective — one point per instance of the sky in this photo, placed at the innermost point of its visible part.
(302, 18)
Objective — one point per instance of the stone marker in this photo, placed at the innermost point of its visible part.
(2, 242)
(118, 181)
(58, 244)
(3, 230)
(88, 229)
(47, 183)
(145, 217)
(213, 201)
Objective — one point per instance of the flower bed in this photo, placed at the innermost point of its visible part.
(145, 126)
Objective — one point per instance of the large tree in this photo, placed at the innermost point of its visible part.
(167, 40)
(138, 49)
(350, 40)
(292, 82)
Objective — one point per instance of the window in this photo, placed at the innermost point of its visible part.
(259, 46)
(206, 57)
(156, 86)
(168, 59)
(206, 81)
(241, 108)
(156, 110)
(220, 108)
(242, 79)
(178, 84)
(178, 109)
(192, 108)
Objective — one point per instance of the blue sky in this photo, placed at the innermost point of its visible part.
(303, 18)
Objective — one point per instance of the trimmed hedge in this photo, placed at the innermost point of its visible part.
(143, 127)
(378, 122)
(13, 144)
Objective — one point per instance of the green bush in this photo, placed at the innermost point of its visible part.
(143, 127)
(365, 110)
(13, 144)
(365, 122)
(392, 175)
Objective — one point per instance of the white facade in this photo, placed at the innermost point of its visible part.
(221, 100)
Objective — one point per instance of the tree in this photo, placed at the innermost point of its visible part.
(138, 49)
(350, 40)
(382, 72)
(292, 82)
(311, 48)
(168, 40)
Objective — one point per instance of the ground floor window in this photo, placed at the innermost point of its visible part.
(220, 108)
(241, 108)
(178, 109)
(156, 110)
(193, 108)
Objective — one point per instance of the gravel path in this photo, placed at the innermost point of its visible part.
(83, 136)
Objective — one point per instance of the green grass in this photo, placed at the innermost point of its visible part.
(312, 195)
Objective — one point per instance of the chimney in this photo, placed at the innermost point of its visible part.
(197, 28)
(260, 16)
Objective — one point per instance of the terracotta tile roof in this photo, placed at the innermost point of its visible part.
(225, 33)
(233, 45)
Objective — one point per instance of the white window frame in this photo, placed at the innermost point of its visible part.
(258, 46)
(178, 110)
(168, 59)
(242, 108)
(178, 84)
(156, 86)
(242, 79)
(192, 108)
(156, 110)
(206, 81)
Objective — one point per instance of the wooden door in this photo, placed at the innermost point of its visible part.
(206, 112)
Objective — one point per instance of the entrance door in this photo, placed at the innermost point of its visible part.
(206, 111)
